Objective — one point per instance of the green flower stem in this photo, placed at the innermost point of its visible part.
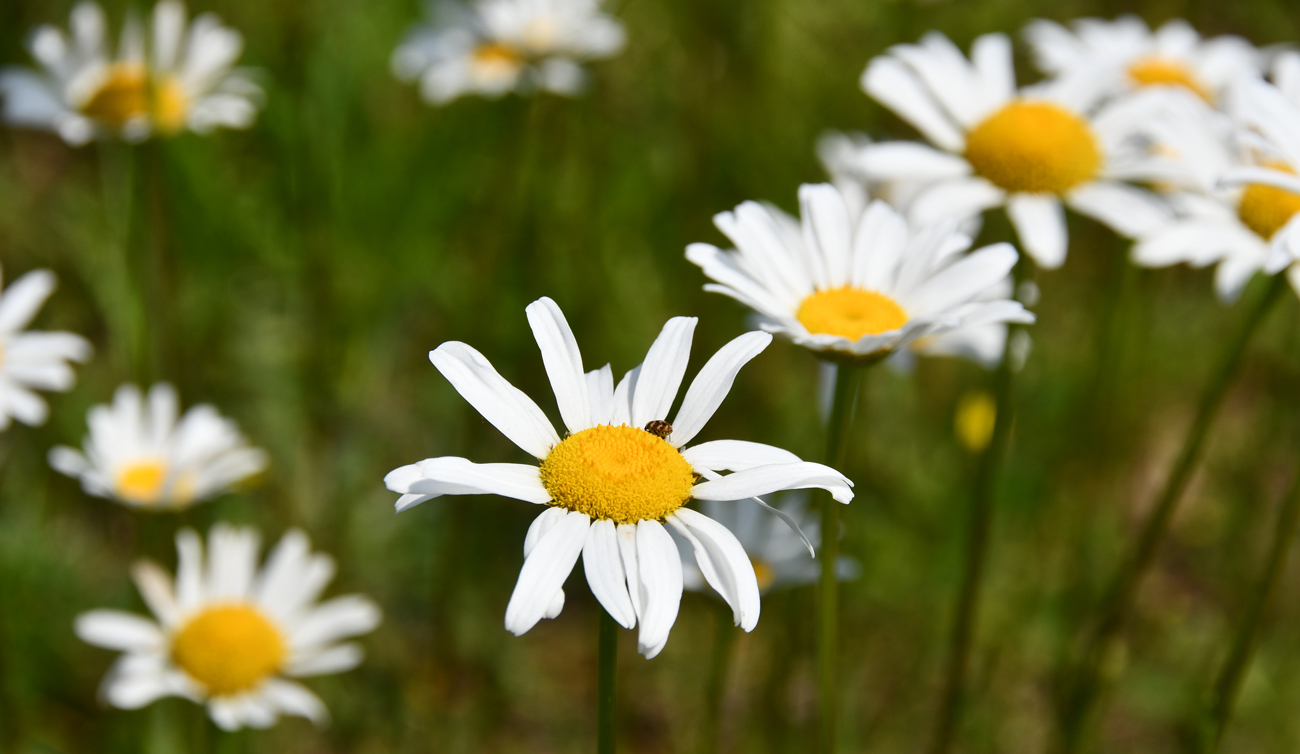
(606, 680)
(159, 285)
(977, 544)
(848, 378)
(1243, 646)
(716, 691)
(1086, 684)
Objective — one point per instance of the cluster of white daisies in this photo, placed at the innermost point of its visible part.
(1181, 143)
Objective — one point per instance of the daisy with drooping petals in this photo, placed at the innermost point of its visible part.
(31, 361)
(1232, 182)
(855, 287)
(230, 637)
(140, 455)
(174, 78)
(1125, 54)
(611, 488)
(1031, 150)
(494, 47)
(780, 557)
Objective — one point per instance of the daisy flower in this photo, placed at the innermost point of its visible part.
(855, 287)
(1232, 182)
(1029, 150)
(140, 455)
(610, 488)
(1124, 55)
(228, 636)
(494, 47)
(779, 556)
(31, 361)
(179, 76)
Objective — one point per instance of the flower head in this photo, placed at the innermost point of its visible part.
(174, 77)
(855, 286)
(1031, 150)
(140, 455)
(494, 47)
(227, 635)
(619, 477)
(1125, 54)
(31, 361)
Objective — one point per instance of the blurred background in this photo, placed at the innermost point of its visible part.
(314, 260)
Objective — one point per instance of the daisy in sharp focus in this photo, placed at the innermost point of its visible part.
(31, 361)
(141, 455)
(229, 636)
(493, 47)
(780, 557)
(1031, 150)
(1125, 54)
(855, 286)
(619, 477)
(163, 79)
(1231, 180)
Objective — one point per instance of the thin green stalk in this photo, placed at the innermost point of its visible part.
(848, 378)
(716, 690)
(606, 684)
(1087, 682)
(1226, 689)
(977, 543)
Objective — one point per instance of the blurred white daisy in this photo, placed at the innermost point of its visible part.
(173, 78)
(779, 556)
(227, 635)
(855, 286)
(1030, 150)
(1124, 54)
(1232, 182)
(494, 47)
(140, 455)
(31, 361)
(611, 487)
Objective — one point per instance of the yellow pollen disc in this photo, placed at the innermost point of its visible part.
(228, 649)
(123, 96)
(850, 312)
(496, 61)
(1265, 209)
(171, 105)
(1157, 71)
(976, 415)
(622, 473)
(142, 481)
(1034, 147)
(766, 576)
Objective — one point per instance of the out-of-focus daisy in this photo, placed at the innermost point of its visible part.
(1030, 150)
(1232, 182)
(611, 487)
(31, 361)
(780, 557)
(177, 76)
(140, 455)
(227, 635)
(1124, 54)
(855, 286)
(494, 47)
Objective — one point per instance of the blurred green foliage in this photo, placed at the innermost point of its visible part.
(315, 259)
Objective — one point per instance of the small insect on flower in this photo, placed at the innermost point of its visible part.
(659, 428)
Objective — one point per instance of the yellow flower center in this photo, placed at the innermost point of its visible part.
(1265, 209)
(1034, 147)
(496, 61)
(622, 473)
(171, 105)
(1154, 70)
(850, 312)
(766, 576)
(976, 416)
(148, 482)
(122, 97)
(228, 648)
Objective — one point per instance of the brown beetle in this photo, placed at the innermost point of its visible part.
(659, 428)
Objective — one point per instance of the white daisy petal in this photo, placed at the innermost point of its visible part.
(156, 589)
(337, 659)
(545, 569)
(723, 562)
(1040, 222)
(897, 88)
(295, 699)
(603, 565)
(906, 160)
(23, 298)
(661, 375)
(712, 384)
(735, 455)
(563, 362)
(339, 618)
(449, 475)
(660, 573)
(113, 629)
(600, 390)
(761, 480)
(1128, 210)
(506, 407)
